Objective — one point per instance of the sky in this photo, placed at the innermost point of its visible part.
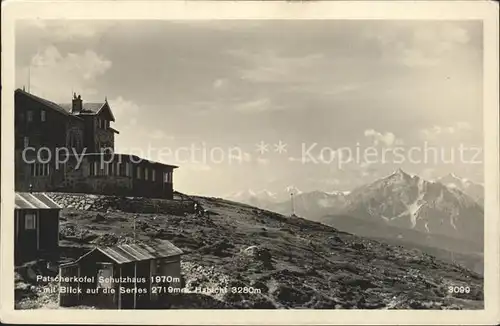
(255, 104)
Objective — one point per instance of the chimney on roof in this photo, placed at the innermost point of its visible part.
(76, 104)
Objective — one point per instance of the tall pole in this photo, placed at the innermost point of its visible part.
(135, 217)
(29, 77)
(135, 285)
(291, 200)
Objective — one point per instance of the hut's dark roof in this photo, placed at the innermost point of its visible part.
(127, 253)
(28, 200)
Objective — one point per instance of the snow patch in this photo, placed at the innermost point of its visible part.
(413, 208)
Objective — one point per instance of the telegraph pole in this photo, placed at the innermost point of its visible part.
(135, 217)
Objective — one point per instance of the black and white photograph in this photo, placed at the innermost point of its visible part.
(313, 164)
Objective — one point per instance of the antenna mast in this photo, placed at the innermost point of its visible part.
(293, 206)
(135, 217)
(29, 78)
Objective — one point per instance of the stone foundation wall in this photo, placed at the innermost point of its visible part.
(104, 203)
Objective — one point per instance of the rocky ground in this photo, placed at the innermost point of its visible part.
(282, 262)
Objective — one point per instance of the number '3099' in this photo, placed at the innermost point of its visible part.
(458, 289)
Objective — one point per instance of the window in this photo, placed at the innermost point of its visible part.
(127, 169)
(103, 124)
(167, 177)
(101, 167)
(29, 116)
(118, 169)
(30, 221)
(139, 176)
(73, 140)
(153, 175)
(145, 173)
(42, 115)
(26, 141)
(123, 167)
(39, 169)
(93, 168)
(104, 273)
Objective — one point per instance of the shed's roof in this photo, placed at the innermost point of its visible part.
(35, 200)
(127, 253)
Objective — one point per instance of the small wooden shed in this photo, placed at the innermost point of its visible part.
(36, 225)
(127, 276)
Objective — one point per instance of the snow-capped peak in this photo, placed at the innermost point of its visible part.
(401, 172)
(451, 175)
(337, 192)
(398, 176)
(451, 179)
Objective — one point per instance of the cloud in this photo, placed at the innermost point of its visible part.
(421, 45)
(244, 157)
(271, 67)
(129, 122)
(428, 173)
(364, 165)
(259, 105)
(416, 57)
(240, 157)
(263, 161)
(64, 30)
(159, 134)
(438, 131)
(295, 73)
(197, 167)
(220, 83)
(332, 181)
(55, 76)
(122, 107)
(387, 138)
(446, 34)
(125, 113)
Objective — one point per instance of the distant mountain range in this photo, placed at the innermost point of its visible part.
(410, 202)
(399, 199)
(445, 214)
(474, 190)
(265, 199)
